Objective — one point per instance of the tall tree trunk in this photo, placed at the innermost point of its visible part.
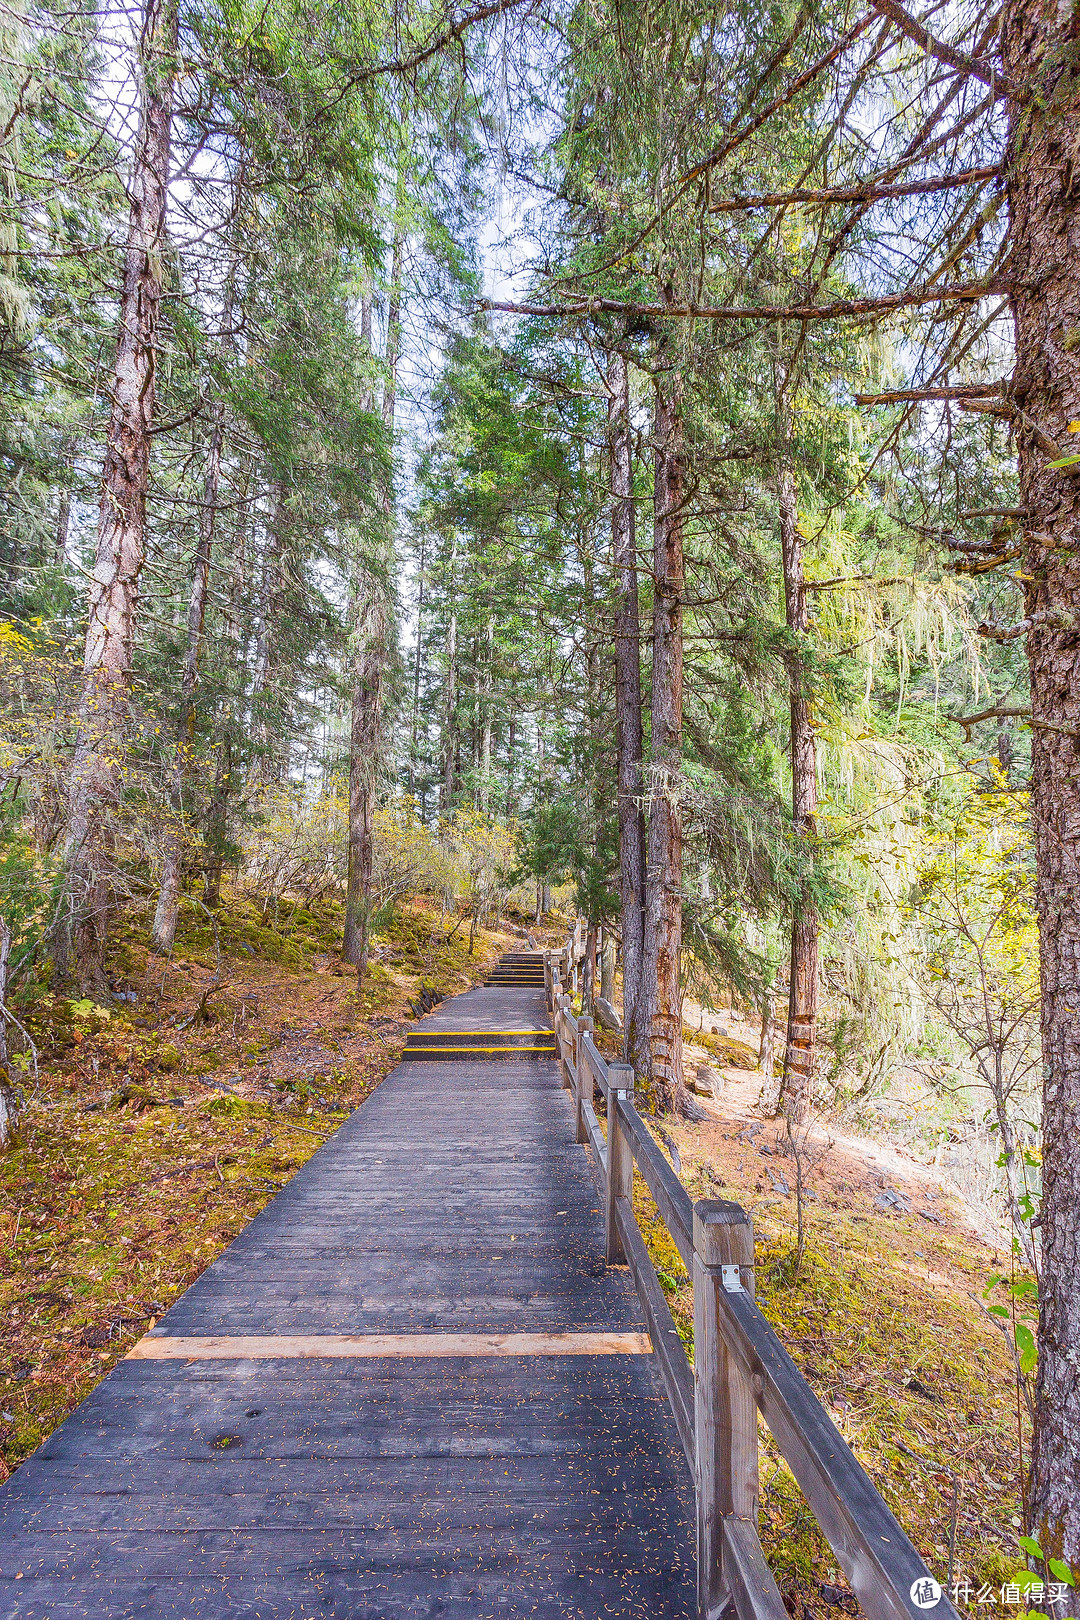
(96, 768)
(235, 653)
(414, 730)
(63, 510)
(393, 321)
(276, 544)
(217, 820)
(769, 1098)
(663, 893)
(607, 967)
(629, 741)
(588, 973)
(371, 626)
(1039, 57)
(803, 982)
(9, 1097)
(449, 736)
(486, 684)
(165, 915)
(368, 664)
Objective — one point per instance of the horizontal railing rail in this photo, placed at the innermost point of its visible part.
(740, 1369)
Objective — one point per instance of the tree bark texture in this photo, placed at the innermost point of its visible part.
(418, 652)
(1039, 57)
(449, 737)
(607, 966)
(769, 1099)
(629, 742)
(9, 1107)
(798, 1078)
(266, 729)
(663, 891)
(168, 905)
(217, 819)
(487, 674)
(371, 625)
(96, 769)
(368, 665)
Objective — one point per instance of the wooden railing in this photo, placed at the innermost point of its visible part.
(740, 1367)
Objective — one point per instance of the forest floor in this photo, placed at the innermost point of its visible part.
(157, 1128)
(885, 1312)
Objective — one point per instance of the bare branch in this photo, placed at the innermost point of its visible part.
(941, 51)
(897, 396)
(840, 310)
(865, 193)
(1001, 712)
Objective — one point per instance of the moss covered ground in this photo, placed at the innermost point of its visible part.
(884, 1315)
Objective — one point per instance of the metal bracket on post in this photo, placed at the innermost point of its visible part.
(731, 1277)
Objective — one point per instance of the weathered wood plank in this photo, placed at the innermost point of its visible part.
(216, 1347)
(670, 1354)
(748, 1577)
(595, 1136)
(672, 1199)
(619, 1182)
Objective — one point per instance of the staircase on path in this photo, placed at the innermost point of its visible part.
(410, 1387)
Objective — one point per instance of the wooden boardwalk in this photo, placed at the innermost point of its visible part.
(362, 1478)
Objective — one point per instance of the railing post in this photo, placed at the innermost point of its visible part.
(583, 1079)
(725, 1416)
(620, 1158)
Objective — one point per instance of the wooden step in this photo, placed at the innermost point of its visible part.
(482, 1037)
(473, 1054)
(437, 1045)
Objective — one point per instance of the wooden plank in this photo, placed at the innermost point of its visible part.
(749, 1579)
(670, 1352)
(672, 1199)
(871, 1548)
(597, 1066)
(595, 1137)
(335, 1345)
(583, 1078)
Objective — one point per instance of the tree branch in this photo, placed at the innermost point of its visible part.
(867, 192)
(840, 310)
(1003, 712)
(942, 52)
(737, 137)
(897, 396)
(993, 512)
(1051, 618)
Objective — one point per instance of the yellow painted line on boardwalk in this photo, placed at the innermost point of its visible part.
(289, 1347)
